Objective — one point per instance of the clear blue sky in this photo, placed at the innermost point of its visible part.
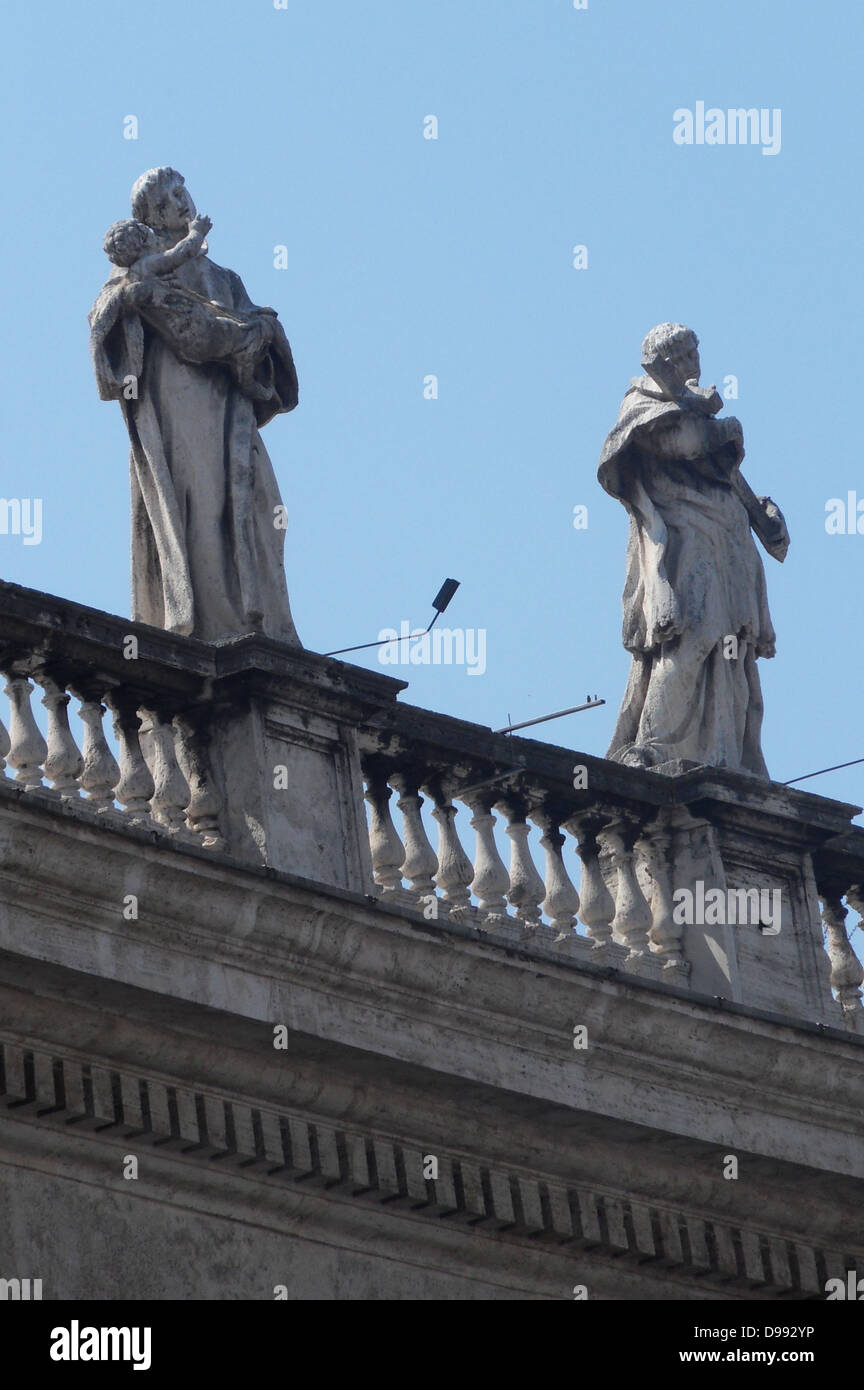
(304, 126)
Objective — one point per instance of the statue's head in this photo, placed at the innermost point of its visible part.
(126, 240)
(160, 199)
(671, 353)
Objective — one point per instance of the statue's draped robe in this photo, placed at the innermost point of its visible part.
(206, 555)
(694, 578)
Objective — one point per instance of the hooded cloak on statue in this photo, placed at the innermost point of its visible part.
(694, 580)
(207, 519)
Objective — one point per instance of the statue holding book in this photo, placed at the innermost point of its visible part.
(696, 616)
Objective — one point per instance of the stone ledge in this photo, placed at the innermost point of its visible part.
(48, 1088)
(515, 942)
(351, 977)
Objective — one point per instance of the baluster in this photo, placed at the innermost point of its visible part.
(455, 870)
(192, 747)
(63, 763)
(855, 899)
(386, 848)
(527, 888)
(597, 906)
(561, 902)
(100, 773)
(136, 787)
(665, 935)
(171, 793)
(491, 880)
(632, 920)
(420, 862)
(4, 747)
(846, 969)
(27, 747)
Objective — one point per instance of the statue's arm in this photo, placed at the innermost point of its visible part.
(766, 518)
(241, 301)
(163, 262)
(687, 436)
(712, 448)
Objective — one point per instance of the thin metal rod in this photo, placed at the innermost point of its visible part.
(544, 719)
(382, 642)
(807, 775)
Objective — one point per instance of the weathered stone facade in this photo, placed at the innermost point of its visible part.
(430, 998)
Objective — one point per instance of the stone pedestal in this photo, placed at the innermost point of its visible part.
(283, 746)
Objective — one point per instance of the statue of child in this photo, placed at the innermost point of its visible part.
(199, 330)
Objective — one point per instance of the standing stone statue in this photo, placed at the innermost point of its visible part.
(695, 605)
(198, 369)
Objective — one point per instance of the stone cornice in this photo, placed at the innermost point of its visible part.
(262, 951)
(148, 1114)
(44, 629)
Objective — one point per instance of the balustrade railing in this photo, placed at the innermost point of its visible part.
(840, 874)
(535, 815)
(160, 778)
(464, 825)
(589, 870)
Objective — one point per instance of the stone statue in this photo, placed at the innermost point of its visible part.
(198, 369)
(695, 605)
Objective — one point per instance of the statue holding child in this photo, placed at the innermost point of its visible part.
(198, 370)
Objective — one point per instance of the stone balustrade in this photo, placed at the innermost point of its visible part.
(594, 860)
(839, 871)
(244, 747)
(157, 774)
(445, 794)
(266, 753)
